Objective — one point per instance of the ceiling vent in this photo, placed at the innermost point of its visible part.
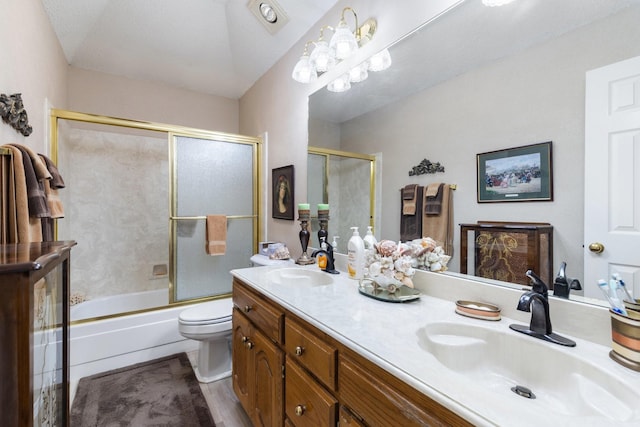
(269, 13)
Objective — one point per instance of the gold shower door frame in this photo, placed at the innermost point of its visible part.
(171, 132)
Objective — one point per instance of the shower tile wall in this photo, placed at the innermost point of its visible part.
(116, 208)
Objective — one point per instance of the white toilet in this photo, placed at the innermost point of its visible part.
(210, 323)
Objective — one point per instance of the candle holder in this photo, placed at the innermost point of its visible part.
(303, 217)
(323, 220)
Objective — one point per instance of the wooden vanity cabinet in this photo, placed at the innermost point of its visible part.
(258, 361)
(34, 334)
(325, 382)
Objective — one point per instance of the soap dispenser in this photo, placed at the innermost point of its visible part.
(355, 255)
(370, 240)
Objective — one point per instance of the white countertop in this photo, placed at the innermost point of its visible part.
(387, 334)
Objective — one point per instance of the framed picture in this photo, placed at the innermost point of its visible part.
(516, 174)
(282, 204)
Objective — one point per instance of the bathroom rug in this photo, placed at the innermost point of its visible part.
(160, 392)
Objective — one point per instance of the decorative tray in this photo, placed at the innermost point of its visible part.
(400, 294)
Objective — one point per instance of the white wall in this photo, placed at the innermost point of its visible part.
(278, 105)
(115, 96)
(32, 64)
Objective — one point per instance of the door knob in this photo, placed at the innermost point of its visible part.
(299, 410)
(299, 351)
(596, 247)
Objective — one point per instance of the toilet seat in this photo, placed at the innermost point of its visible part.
(208, 313)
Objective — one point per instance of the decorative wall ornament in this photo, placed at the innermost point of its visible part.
(13, 113)
(426, 166)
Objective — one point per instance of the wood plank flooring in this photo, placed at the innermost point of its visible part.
(223, 403)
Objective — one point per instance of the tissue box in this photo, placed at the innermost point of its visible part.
(263, 248)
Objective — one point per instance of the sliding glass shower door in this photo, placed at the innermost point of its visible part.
(211, 177)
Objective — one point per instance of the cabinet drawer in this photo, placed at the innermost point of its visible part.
(364, 388)
(311, 352)
(307, 404)
(261, 312)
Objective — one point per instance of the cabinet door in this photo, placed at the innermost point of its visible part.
(268, 382)
(242, 363)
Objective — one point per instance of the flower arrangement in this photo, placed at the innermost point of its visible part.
(392, 264)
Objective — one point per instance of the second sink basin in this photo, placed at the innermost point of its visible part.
(498, 360)
(299, 276)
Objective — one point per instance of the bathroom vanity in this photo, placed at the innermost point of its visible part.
(309, 350)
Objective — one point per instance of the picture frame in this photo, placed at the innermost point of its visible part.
(519, 174)
(282, 206)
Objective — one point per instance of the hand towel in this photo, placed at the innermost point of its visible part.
(409, 198)
(440, 227)
(51, 189)
(411, 225)
(35, 172)
(216, 234)
(22, 228)
(433, 199)
(56, 178)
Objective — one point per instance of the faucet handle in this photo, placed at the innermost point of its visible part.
(538, 285)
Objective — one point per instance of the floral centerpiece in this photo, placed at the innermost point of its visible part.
(391, 265)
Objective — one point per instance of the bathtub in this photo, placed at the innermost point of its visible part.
(102, 345)
(123, 303)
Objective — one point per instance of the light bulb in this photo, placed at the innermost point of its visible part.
(303, 72)
(358, 73)
(380, 61)
(341, 84)
(322, 58)
(343, 42)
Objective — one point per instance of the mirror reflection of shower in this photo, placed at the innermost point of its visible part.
(346, 181)
(127, 188)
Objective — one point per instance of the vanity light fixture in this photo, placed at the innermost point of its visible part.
(494, 3)
(343, 44)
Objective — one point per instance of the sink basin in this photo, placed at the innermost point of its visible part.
(299, 276)
(499, 360)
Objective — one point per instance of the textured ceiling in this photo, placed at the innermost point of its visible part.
(211, 46)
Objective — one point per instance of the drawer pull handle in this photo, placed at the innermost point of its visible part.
(247, 308)
(299, 351)
(249, 345)
(245, 339)
(299, 410)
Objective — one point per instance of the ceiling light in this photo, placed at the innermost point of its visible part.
(494, 3)
(269, 13)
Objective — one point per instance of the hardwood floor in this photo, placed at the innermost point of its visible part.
(225, 407)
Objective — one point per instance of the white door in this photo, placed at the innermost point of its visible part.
(612, 176)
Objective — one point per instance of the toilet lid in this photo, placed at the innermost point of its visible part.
(217, 311)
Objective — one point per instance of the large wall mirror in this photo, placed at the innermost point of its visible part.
(479, 79)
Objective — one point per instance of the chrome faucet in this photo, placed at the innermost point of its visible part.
(536, 302)
(563, 284)
(328, 253)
